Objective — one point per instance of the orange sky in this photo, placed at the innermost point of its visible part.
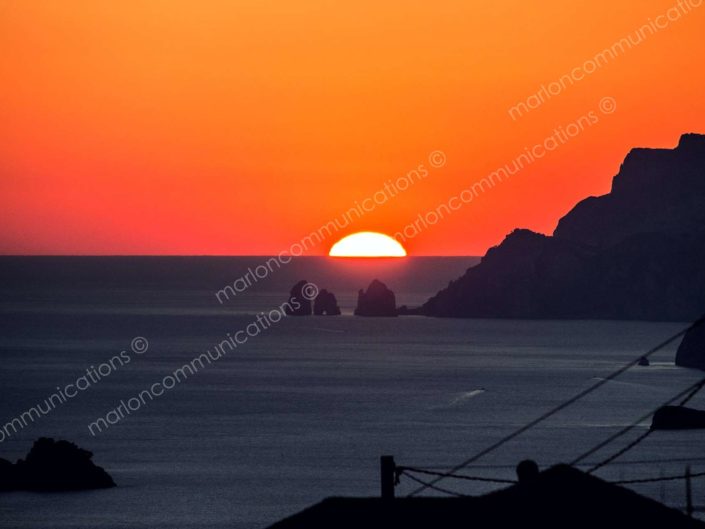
(239, 127)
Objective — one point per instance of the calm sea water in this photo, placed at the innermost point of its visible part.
(305, 409)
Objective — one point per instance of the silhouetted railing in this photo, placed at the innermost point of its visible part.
(391, 474)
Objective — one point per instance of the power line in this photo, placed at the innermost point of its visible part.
(693, 393)
(689, 392)
(655, 480)
(559, 408)
(620, 452)
(427, 485)
(455, 476)
(668, 460)
(406, 471)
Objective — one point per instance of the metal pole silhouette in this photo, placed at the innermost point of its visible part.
(688, 493)
(387, 469)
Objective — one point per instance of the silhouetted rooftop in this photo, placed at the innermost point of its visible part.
(559, 498)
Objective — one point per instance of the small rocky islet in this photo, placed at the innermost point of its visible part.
(378, 300)
(54, 466)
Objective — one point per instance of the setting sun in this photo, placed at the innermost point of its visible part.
(367, 244)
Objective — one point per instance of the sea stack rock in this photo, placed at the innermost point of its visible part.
(678, 418)
(54, 466)
(326, 304)
(691, 351)
(299, 304)
(377, 301)
(8, 477)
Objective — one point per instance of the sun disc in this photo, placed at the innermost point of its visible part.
(367, 244)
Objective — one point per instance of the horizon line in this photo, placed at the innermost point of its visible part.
(226, 255)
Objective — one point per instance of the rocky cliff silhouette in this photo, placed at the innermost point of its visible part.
(635, 253)
(691, 351)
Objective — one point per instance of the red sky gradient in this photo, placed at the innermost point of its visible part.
(238, 127)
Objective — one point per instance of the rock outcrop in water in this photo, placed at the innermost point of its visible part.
(635, 253)
(691, 351)
(377, 301)
(299, 303)
(326, 304)
(54, 466)
(678, 418)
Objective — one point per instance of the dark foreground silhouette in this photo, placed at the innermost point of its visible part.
(558, 498)
(636, 253)
(54, 466)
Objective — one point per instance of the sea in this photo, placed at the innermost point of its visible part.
(305, 406)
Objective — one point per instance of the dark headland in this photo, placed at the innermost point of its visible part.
(691, 351)
(636, 253)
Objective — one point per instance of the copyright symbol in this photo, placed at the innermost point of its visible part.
(139, 345)
(608, 105)
(437, 159)
(309, 291)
